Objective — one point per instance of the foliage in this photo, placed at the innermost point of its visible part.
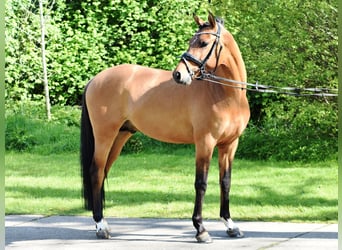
(84, 37)
(23, 59)
(287, 43)
(284, 43)
(17, 135)
(302, 130)
(27, 130)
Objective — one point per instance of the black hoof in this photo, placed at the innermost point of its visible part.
(103, 234)
(235, 233)
(204, 237)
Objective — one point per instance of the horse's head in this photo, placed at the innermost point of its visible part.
(204, 51)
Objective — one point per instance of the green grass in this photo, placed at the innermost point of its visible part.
(161, 185)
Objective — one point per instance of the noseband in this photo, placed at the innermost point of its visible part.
(186, 57)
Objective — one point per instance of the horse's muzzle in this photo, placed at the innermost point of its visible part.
(180, 78)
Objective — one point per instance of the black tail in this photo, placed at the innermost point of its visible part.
(86, 154)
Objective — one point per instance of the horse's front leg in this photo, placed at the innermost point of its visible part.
(202, 168)
(226, 156)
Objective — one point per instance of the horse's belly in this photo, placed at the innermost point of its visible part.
(164, 126)
(165, 129)
(176, 138)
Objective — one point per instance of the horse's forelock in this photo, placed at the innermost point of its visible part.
(207, 24)
(204, 25)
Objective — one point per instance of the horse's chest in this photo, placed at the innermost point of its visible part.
(227, 123)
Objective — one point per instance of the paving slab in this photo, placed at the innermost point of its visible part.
(78, 232)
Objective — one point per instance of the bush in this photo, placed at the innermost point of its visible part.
(18, 135)
(134, 145)
(27, 130)
(284, 43)
(297, 130)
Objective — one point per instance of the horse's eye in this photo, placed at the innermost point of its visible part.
(203, 44)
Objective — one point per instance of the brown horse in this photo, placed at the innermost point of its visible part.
(127, 98)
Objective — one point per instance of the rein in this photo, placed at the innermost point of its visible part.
(256, 87)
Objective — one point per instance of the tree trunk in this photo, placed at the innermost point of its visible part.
(46, 86)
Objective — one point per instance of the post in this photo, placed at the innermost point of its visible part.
(46, 86)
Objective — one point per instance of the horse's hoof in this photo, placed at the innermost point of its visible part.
(102, 230)
(235, 233)
(204, 237)
(102, 234)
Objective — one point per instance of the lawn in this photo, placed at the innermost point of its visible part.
(161, 185)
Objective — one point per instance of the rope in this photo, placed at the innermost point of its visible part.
(292, 91)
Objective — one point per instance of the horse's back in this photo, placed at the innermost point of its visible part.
(123, 73)
(114, 81)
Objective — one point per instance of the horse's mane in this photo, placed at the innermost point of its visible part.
(219, 20)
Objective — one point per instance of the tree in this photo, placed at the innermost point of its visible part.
(87, 36)
(284, 43)
(23, 61)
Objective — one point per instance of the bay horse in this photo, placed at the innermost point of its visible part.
(176, 107)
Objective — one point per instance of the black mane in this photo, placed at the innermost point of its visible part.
(219, 20)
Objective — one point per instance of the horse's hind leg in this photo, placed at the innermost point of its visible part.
(103, 145)
(102, 228)
(115, 151)
(226, 156)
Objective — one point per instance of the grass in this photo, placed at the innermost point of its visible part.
(161, 185)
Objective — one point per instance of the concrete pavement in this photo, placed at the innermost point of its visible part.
(77, 232)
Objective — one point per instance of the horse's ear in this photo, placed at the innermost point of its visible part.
(212, 20)
(198, 20)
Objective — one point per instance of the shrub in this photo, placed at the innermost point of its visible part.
(18, 136)
(295, 130)
(27, 129)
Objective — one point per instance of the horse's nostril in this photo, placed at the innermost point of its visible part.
(177, 76)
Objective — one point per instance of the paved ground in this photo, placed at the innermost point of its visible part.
(76, 232)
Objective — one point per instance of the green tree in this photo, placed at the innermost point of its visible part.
(85, 37)
(284, 43)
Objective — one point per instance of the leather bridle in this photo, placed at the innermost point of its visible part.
(186, 57)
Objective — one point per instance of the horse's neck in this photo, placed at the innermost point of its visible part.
(232, 73)
(233, 68)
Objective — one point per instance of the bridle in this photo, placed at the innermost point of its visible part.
(186, 57)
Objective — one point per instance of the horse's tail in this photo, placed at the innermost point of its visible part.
(86, 153)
